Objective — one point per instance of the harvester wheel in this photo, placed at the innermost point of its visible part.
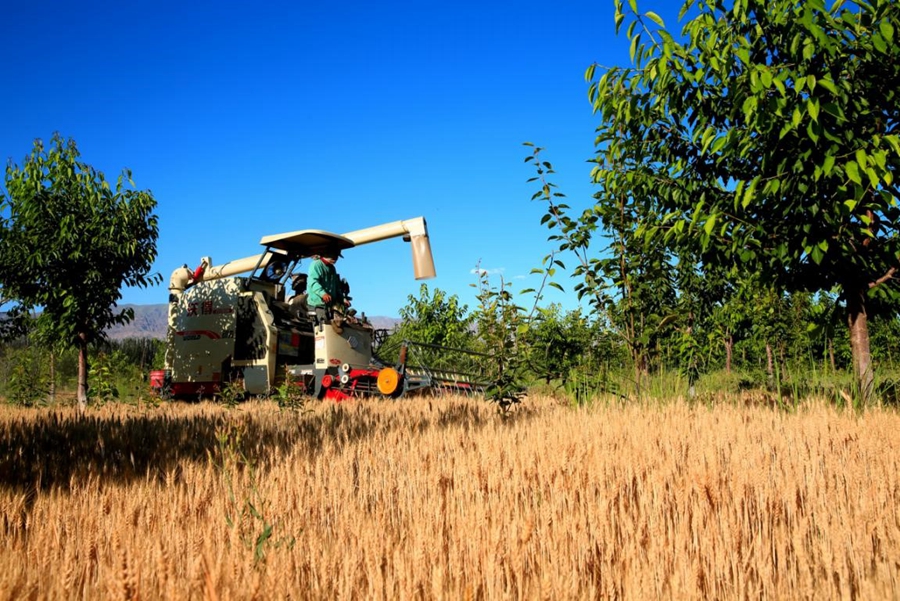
(389, 381)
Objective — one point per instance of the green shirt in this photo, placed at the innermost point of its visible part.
(323, 278)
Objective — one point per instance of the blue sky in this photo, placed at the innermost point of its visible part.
(251, 119)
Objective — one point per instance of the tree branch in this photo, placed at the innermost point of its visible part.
(885, 278)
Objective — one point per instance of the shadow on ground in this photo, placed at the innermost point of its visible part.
(44, 450)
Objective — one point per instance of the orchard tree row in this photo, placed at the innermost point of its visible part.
(757, 339)
(744, 163)
(32, 373)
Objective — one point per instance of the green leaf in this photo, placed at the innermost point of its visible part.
(894, 141)
(708, 137)
(750, 193)
(719, 144)
(809, 49)
(812, 107)
(655, 18)
(812, 130)
(873, 176)
(852, 171)
(710, 224)
(749, 107)
(817, 255)
(780, 85)
(887, 31)
(829, 85)
(738, 193)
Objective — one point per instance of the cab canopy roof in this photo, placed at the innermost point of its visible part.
(306, 243)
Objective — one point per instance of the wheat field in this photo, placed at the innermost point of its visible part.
(444, 498)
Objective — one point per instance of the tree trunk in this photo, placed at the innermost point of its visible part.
(770, 364)
(729, 349)
(781, 362)
(638, 369)
(51, 390)
(831, 355)
(857, 320)
(81, 345)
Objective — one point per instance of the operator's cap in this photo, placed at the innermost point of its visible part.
(332, 253)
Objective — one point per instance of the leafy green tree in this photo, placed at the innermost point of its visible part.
(137, 352)
(729, 316)
(700, 295)
(69, 242)
(27, 380)
(628, 281)
(498, 320)
(557, 342)
(886, 342)
(499, 326)
(435, 317)
(822, 325)
(766, 134)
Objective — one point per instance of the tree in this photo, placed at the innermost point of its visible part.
(766, 136)
(499, 324)
(68, 243)
(629, 284)
(557, 342)
(435, 318)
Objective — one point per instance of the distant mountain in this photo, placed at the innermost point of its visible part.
(150, 322)
(380, 322)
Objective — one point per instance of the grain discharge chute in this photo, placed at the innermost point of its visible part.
(237, 323)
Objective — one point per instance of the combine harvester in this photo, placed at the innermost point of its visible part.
(225, 328)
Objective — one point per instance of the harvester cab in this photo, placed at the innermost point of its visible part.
(236, 323)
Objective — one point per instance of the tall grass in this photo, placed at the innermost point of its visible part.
(445, 499)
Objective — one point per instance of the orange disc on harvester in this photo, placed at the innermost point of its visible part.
(388, 381)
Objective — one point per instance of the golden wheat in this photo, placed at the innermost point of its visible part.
(445, 499)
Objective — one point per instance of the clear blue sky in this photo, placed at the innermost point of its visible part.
(251, 119)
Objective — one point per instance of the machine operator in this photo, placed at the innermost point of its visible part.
(298, 300)
(324, 288)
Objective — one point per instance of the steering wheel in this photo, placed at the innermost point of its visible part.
(274, 271)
